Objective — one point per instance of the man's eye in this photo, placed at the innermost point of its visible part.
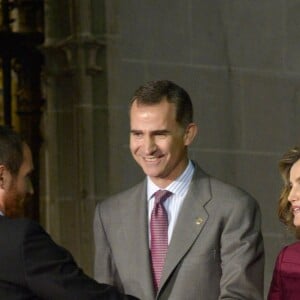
(137, 134)
(161, 134)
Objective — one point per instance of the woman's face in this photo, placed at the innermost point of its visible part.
(294, 195)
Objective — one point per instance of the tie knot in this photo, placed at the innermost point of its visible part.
(161, 196)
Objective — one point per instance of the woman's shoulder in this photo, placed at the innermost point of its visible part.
(291, 252)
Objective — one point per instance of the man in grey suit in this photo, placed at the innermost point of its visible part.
(214, 241)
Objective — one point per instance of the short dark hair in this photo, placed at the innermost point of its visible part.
(153, 92)
(285, 164)
(11, 149)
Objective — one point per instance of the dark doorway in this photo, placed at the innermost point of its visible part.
(21, 35)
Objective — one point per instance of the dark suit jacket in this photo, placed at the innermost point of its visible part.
(33, 267)
(285, 284)
(216, 250)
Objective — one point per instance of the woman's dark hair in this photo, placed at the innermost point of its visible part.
(285, 164)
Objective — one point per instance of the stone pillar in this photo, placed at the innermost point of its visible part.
(75, 122)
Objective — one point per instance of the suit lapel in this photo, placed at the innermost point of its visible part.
(135, 228)
(190, 222)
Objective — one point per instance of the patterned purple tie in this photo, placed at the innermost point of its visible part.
(159, 236)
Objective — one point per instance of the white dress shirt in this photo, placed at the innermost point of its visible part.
(179, 188)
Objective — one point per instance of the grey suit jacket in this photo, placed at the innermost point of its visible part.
(216, 250)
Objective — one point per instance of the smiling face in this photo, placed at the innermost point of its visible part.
(294, 195)
(158, 143)
(15, 188)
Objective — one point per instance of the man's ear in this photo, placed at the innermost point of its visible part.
(190, 133)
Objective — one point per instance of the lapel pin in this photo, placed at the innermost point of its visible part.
(199, 221)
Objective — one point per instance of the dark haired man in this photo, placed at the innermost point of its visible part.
(180, 234)
(32, 265)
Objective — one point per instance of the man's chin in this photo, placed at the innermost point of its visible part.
(15, 213)
(152, 173)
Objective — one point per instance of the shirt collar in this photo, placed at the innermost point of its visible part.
(174, 186)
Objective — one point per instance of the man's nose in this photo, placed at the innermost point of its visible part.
(149, 145)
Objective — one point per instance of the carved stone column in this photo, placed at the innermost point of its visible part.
(75, 122)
